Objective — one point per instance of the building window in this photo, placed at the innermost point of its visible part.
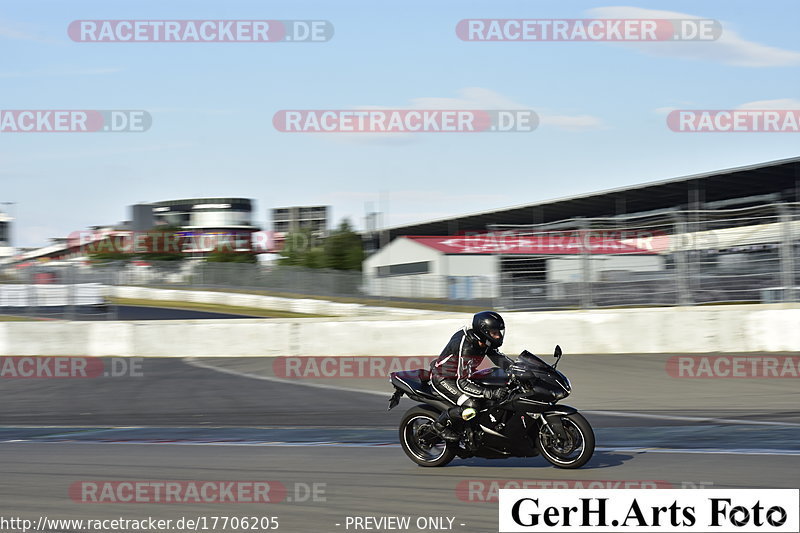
(404, 269)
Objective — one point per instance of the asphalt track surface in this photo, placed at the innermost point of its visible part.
(231, 420)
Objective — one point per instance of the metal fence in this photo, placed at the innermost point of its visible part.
(54, 292)
(665, 258)
(269, 278)
(668, 258)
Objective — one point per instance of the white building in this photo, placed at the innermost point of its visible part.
(6, 248)
(468, 267)
(427, 267)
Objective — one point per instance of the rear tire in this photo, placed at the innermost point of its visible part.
(420, 443)
(576, 451)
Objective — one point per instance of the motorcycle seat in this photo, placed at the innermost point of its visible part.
(415, 380)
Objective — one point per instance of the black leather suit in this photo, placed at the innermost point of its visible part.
(451, 371)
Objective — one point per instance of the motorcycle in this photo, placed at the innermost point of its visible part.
(526, 423)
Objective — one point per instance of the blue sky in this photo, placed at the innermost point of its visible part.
(603, 107)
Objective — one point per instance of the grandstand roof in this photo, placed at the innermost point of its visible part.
(769, 182)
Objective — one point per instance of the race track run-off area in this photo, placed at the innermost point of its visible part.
(316, 453)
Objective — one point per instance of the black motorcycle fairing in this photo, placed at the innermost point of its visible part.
(505, 432)
(416, 385)
(560, 410)
(553, 419)
(550, 415)
(541, 380)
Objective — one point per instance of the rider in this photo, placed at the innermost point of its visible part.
(451, 371)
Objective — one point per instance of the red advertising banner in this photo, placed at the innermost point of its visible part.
(599, 242)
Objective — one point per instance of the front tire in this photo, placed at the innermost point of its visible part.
(419, 440)
(572, 452)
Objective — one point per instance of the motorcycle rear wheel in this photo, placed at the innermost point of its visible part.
(419, 441)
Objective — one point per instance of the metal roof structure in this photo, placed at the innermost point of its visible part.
(770, 182)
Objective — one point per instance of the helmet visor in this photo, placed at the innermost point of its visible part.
(496, 334)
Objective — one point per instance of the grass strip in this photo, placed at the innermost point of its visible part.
(214, 308)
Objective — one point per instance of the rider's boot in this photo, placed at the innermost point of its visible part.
(444, 428)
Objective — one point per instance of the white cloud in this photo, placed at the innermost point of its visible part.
(16, 31)
(7, 32)
(480, 98)
(193, 110)
(729, 49)
(572, 122)
(417, 196)
(410, 205)
(666, 110)
(470, 98)
(781, 103)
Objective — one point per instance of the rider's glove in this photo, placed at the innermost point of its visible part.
(498, 394)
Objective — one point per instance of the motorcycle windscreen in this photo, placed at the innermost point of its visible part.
(534, 362)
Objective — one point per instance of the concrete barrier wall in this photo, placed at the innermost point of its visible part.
(733, 329)
(295, 305)
(47, 295)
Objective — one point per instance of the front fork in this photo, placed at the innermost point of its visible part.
(551, 422)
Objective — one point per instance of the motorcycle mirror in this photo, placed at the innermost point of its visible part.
(557, 354)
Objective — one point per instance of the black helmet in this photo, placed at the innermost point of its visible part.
(489, 327)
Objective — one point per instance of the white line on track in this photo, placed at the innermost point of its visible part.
(706, 451)
(199, 364)
(694, 418)
(624, 414)
(678, 451)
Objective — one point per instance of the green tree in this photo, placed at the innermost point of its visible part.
(104, 257)
(314, 258)
(296, 246)
(109, 249)
(341, 250)
(162, 243)
(344, 249)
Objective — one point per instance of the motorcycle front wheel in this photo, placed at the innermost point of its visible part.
(575, 450)
(419, 440)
